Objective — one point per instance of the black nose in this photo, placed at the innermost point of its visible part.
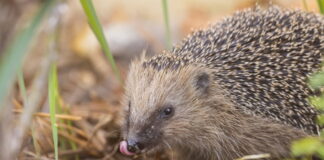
(134, 146)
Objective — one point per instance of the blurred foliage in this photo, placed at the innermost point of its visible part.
(14, 55)
(321, 5)
(167, 24)
(312, 145)
(317, 80)
(308, 146)
(305, 5)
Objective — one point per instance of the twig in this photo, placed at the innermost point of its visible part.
(80, 142)
(95, 141)
(16, 103)
(70, 152)
(35, 156)
(102, 122)
(76, 130)
(47, 115)
(112, 153)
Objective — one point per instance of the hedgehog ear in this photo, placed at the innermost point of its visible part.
(202, 83)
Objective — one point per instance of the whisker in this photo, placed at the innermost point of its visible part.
(169, 146)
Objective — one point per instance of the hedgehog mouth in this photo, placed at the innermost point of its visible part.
(123, 149)
(149, 148)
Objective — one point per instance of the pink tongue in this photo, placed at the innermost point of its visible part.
(123, 148)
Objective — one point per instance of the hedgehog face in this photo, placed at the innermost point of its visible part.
(163, 106)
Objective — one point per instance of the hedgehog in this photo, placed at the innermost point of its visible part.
(238, 87)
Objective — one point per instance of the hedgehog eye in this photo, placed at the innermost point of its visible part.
(167, 112)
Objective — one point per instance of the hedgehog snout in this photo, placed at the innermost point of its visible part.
(136, 141)
(130, 147)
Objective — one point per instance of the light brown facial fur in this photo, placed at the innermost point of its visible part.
(149, 91)
(205, 123)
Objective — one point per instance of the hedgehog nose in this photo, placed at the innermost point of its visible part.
(134, 146)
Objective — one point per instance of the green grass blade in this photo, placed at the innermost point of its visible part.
(13, 56)
(321, 5)
(97, 29)
(167, 24)
(52, 99)
(22, 86)
(305, 5)
(23, 92)
(35, 143)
